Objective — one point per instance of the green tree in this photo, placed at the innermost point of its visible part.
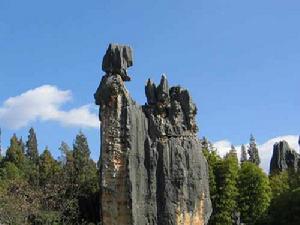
(31, 147)
(279, 183)
(254, 193)
(225, 205)
(244, 156)
(48, 167)
(9, 171)
(32, 159)
(80, 177)
(294, 178)
(213, 160)
(85, 168)
(285, 209)
(67, 191)
(14, 153)
(86, 174)
(253, 151)
(232, 152)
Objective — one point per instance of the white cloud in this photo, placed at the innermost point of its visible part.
(222, 146)
(44, 103)
(265, 149)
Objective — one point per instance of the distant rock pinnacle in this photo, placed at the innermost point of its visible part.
(284, 158)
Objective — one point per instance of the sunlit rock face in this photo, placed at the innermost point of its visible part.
(152, 168)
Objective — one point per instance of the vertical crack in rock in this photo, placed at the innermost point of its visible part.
(152, 168)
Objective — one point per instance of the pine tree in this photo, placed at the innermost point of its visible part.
(233, 151)
(85, 168)
(31, 147)
(81, 152)
(32, 159)
(213, 160)
(21, 142)
(14, 153)
(253, 151)
(81, 180)
(67, 160)
(244, 156)
(254, 193)
(48, 167)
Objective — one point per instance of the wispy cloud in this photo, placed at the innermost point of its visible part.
(45, 104)
(265, 149)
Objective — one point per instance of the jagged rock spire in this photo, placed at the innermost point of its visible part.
(150, 91)
(117, 59)
(152, 169)
(163, 89)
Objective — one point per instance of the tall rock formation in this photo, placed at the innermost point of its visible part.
(284, 158)
(152, 168)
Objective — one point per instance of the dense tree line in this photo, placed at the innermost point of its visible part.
(38, 189)
(242, 193)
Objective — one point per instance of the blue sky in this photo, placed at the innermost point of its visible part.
(239, 59)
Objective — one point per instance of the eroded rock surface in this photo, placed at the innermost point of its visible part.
(153, 171)
(117, 59)
(284, 158)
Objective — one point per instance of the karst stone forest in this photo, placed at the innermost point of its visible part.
(153, 167)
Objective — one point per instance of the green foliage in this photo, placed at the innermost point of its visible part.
(279, 184)
(253, 151)
(18, 202)
(82, 175)
(255, 193)
(223, 177)
(47, 217)
(14, 153)
(285, 209)
(294, 179)
(48, 167)
(225, 202)
(244, 156)
(41, 190)
(31, 171)
(213, 160)
(84, 168)
(31, 147)
(9, 171)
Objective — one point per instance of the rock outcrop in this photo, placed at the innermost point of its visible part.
(116, 60)
(284, 158)
(152, 168)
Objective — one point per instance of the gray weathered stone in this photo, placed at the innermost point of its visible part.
(152, 169)
(284, 158)
(117, 59)
(150, 91)
(163, 90)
